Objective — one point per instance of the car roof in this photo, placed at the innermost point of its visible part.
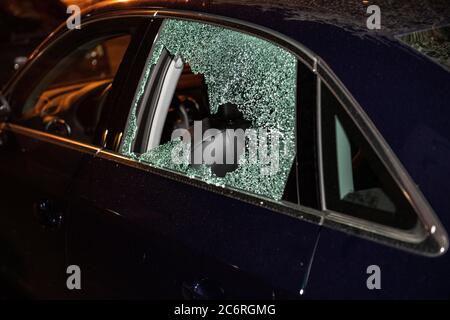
(351, 15)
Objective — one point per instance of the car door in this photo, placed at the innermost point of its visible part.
(57, 103)
(145, 227)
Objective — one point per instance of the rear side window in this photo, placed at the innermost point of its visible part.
(218, 106)
(356, 181)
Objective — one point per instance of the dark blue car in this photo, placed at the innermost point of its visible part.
(231, 150)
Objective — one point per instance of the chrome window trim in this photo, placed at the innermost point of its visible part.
(415, 235)
(323, 204)
(434, 244)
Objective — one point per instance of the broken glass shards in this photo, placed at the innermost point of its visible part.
(255, 75)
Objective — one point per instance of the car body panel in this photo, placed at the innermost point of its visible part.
(340, 271)
(187, 228)
(35, 251)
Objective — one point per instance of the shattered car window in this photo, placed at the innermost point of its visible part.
(229, 83)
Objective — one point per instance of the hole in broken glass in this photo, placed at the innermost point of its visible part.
(230, 81)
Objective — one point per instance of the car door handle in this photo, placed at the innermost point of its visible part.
(49, 213)
(204, 289)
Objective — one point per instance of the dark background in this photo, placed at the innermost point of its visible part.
(24, 24)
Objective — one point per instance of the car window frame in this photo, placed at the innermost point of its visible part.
(429, 238)
(403, 218)
(289, 196)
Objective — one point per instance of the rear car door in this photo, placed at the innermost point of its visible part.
(147, 226)
(57, 103)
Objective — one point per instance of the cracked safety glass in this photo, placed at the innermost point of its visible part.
(216, 105)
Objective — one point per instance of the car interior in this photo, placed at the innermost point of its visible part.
(69, 100)
(357, 181)
(189, 103)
